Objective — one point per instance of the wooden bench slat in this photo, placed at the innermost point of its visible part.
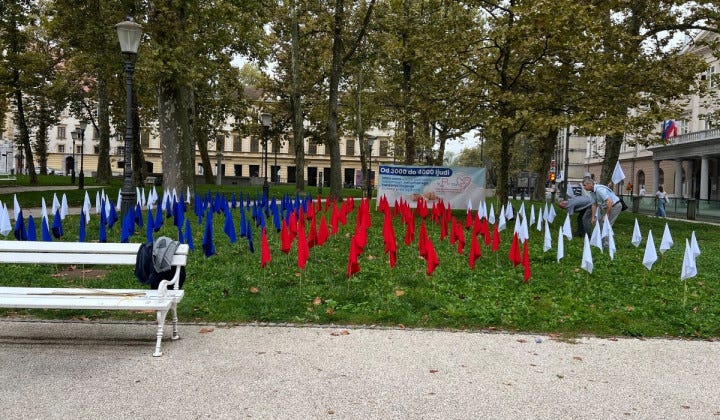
(76, 298)
(17, 257)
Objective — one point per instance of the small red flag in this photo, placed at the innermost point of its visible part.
(514, 254)
(468, 220)
(495, 238)
(323, 233)
(312, 237)
(264, 250)
(353, 265)
(389, 238)
(475, 251)
(526, 262)
(285, 238)
(303, 250)
(432, 258)
(459, 238)
(410, 231)
(423, 239)
(334, 219)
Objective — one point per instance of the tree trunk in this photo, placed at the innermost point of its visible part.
(24, 131)
(104, 171)
(41, 137)
(332, 141)
(175, 110)
(545, 151)
(506, 138)
(612, 152)
(296, 103)
(202, 144)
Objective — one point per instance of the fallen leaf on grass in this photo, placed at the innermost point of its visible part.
(317, 301)
(521, 340)
(401, 326)
(433, 371)
(330, 311)
(399, 293)
(254, 289)
(206, 330)
(577, 358)
(343, 332)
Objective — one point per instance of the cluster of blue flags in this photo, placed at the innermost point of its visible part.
(259, 208)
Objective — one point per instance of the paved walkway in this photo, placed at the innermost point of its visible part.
(105, 370)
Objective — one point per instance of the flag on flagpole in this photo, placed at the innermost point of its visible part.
(431, 257)
(596, 239)
(560, 246)
(207, 241)
(547, 243)
(502, 222)
(532, 214)
(491, 215)
(64, 207)
(251, 245)
(667, 241)
(611, 242)
(475, 251)
(587, 261)
(669, 130)
(636, 235)
(188, 235)
(57, 229)
(303, 249)
(526, 263)
(495, 238)
(694, 245)
(509, 211)
(514, 254)
(5, 225)
(264, 250)
(567, 228)
(31, 233)
(618, 175)
(689, 268)
(650, 253)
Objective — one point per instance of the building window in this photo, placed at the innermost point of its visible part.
(712, 77)
(96, 150)
(78, 149)
(61, 133)
(383, 148)
(96, 133)
(254, 144)
(350, 147)
(237, 144)
(312, 148)
(145, 139)
(61, 148)
(220, 144)
(121, 151)
(238, 170)
(276, 147)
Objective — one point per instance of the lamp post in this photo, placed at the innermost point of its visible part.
(81, 134)
(266, 120)
(370, 141)
(276, 170)
(129, 34)
(74, 135)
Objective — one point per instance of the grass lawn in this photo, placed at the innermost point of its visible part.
(620, 297)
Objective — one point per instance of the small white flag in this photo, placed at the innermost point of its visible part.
(484, 210)
(16, 207)
(689, 268)
(43, 210)
(524, 234)
(611, 242)
(469, 207)
(605, 232)
(547, 244)
(64, 208)
(596, 239)
(502, 222)
(532, 214)
(509, 211)
(667, 241)
(119, 200)
(539, 220)
(55, 204)
(98, 202)
(567, 228)
(636, 236)
(587, 261)
(521, 211)
(87, 207)
(561, 246)
(694, 245)
(551, 214)
(650, 253)
(491, 215)
(618, 174)
(187, 197)
(5, 225)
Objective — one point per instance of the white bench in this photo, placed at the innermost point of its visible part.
(79, 253)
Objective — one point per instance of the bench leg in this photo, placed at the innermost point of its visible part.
(175, 335)
(161, 325)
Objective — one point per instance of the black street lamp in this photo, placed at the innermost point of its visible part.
(370, 141)
(129, 34)
(74, 135)
(81, 135)
(266, 120)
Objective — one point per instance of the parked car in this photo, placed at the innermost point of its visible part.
(50, 171)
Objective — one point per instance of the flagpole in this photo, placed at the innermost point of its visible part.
(684, 292)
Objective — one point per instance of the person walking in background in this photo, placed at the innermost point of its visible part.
(642, 191)
(661, 197)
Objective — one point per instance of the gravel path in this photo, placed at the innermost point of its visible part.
(105, 370)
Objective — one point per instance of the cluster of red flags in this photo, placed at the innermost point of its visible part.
(476, 226)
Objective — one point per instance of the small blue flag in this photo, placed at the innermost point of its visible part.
(45, 230)
(57, 229)
(188, 235)
(83, 233)
(229, 226)
(31, 234)
(19, 231)
(207, 242)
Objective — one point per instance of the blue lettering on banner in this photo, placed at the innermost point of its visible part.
(415, 171)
